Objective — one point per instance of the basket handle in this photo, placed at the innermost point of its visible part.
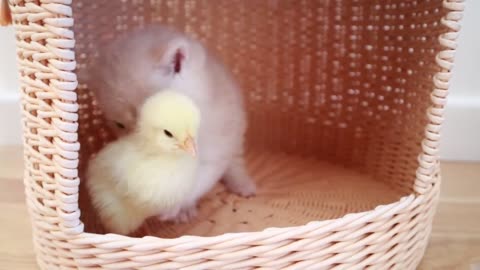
(5, 15)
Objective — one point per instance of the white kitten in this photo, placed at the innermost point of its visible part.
(132, 68)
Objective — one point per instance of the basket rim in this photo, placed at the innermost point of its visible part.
(351, 219)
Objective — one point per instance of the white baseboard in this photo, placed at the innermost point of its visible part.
(460, 134)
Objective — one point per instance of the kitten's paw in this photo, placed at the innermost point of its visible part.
(187, 214)
(168, 215)
(178, 216)
(238, 180)
(242, 188)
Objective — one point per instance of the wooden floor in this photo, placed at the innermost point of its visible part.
(455, 242)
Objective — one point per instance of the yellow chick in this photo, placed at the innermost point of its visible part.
(150, 172)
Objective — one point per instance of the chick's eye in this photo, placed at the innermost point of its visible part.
(168, 133)
(120, 125)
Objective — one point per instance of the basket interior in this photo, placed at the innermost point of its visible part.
(336, 93)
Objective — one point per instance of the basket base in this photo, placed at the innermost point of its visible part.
(292, 191)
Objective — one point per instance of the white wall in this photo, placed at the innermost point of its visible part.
(461, 133)
(8, 68)
(10, 131)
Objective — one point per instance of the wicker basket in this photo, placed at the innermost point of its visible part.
(345, 102)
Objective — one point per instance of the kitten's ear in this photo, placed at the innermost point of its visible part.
(173, 56)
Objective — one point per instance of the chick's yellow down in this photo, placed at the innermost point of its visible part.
(150, 172)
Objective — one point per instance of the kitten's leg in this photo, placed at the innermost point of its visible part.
(238, 180)
(170, 215)
(187, 214)
(179, 215)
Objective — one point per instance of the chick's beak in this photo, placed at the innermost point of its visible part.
(189, 146)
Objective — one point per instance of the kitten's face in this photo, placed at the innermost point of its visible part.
(128, 86)
(117, 95)
(121, 117)
(130, 70)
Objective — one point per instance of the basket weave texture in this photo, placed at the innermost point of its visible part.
(345, 101)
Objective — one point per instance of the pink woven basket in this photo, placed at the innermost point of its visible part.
(345, 101)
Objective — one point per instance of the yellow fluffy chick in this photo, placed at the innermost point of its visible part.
(150, 172)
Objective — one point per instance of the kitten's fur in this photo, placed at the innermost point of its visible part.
(145, 61)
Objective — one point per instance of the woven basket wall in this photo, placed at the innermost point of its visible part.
(345, 101)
